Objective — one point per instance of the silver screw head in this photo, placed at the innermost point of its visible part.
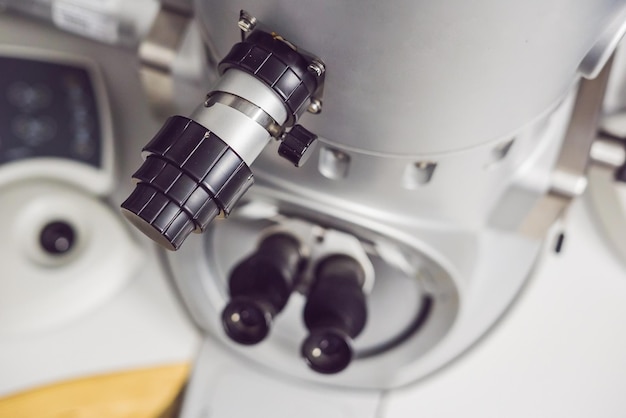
(246, 22)
(317, 68)
(315, 106)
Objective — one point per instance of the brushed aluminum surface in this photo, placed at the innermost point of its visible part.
(409, 77)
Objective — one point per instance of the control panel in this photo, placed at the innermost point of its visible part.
(65, 249)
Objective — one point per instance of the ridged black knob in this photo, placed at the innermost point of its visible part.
(335, 314)
(297, 145)
(189, 176)
(260, 287)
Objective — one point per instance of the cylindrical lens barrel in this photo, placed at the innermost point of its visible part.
(260, 287)
(335, 313)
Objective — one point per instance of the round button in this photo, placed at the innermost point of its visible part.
(57, 238)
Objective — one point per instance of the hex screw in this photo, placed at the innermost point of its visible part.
(317, 67)
(246, 22)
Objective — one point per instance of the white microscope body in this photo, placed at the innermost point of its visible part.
(442, 145)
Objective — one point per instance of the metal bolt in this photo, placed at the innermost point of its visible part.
(317, 68)
(315, 106)
(247, 22)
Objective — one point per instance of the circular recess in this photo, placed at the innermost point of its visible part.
(57, 238)
(67, 253)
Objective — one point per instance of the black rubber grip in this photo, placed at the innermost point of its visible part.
(269, 273)
(335, 313)
(335, 299)
(189, 176)
(154, 214)
(181, 189)
(278, 66)
(259, 288)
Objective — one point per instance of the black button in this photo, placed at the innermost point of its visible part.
(57, 238)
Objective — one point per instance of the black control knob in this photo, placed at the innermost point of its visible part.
(57, 238)
(260, 287)
(335, 314)
(297, 145)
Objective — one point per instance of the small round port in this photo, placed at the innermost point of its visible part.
(57, 238)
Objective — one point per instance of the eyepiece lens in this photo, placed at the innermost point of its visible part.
(327, 351)
(246, 322)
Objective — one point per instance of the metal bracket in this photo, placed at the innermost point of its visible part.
(569, 178)
(158, 51)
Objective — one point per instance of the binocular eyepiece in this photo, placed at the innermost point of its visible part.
(335, 312)
(260, 287)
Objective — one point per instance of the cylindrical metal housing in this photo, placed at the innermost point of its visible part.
(410, 77)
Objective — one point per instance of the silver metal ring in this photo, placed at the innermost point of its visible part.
(248, 108)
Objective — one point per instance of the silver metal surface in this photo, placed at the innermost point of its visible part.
(333, 164)
(317, 67)
(418, 174)
(243, 134)
(462, 192)
(246, 107)
(246, 22)
(315, 106)
(607, 151)
(442, 83)
(246, 86)
(158, 52)
(569, 178)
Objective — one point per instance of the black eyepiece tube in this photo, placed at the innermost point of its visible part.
(335, 314)
(260, 287)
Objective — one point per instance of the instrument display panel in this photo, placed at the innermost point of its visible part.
(48, 109)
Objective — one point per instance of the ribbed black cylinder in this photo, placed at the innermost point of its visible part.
(278, 66)
(189, 176)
